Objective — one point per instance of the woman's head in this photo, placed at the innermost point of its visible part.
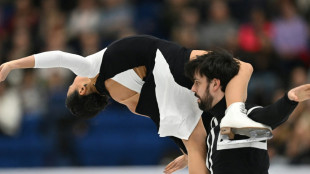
(86, 106)
(82, 100)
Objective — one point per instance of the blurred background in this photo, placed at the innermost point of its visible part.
(36, 130)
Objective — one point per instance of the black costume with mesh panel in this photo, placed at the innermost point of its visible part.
(135, 51)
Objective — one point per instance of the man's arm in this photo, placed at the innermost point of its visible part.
(196, 149)
(277, 113)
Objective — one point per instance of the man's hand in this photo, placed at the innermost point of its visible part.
(300, 93)
(5, 69)
(177, 164)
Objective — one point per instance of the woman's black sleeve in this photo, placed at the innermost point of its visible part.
(274, 114)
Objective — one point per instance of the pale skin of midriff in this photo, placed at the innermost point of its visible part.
(236, 91)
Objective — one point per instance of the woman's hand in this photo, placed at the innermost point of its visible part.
(300, 93)
(5, 69)
(177, 164)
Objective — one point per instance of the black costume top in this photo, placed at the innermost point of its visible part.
(251, 158)
(137, 51)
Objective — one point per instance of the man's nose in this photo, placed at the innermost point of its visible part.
(193, 88)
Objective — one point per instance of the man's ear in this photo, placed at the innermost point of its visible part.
(83, 90)
(216, 84)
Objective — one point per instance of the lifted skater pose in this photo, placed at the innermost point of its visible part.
(145, 74)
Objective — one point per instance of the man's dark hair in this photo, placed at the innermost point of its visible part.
(86, 106)
(218, 64)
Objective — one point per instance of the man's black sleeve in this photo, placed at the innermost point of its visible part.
(274, 114)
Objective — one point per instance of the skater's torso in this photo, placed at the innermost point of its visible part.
(127, 54)
(233, 159)
(128, 97)
(141, 60)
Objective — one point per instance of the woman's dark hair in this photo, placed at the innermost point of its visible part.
(86, 106)
(218, 64)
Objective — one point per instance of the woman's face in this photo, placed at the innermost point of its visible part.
(78, 85)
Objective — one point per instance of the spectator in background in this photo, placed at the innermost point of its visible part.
(284, 136)
(116, 16)
(10, 119)
(240, 9)
(298, 147)
(264, 82)
(18, 28)
(25, 16)
(56, 39)
(127, 32)
(90, 42)
(170, 15)
(32, 95)
(147, 16)
(185, 31)
(84, 18)
(185, 36)
(220, 30)
(254, 39)
(21, 43)
(256, 35)
(290, 35)
(51, 19)
(31, 98)
(6, 13)
(20, 20)
(297, 76)
(304, 8)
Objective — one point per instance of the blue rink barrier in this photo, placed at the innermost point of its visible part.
(115, 137)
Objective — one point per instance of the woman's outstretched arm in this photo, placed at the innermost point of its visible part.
(6, 68)
(81, 66)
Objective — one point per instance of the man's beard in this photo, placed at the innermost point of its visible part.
(205, 102)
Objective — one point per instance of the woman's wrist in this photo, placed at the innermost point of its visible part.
(26, 62)
(12, 65)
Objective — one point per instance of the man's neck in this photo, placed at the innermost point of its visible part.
(217, 98)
